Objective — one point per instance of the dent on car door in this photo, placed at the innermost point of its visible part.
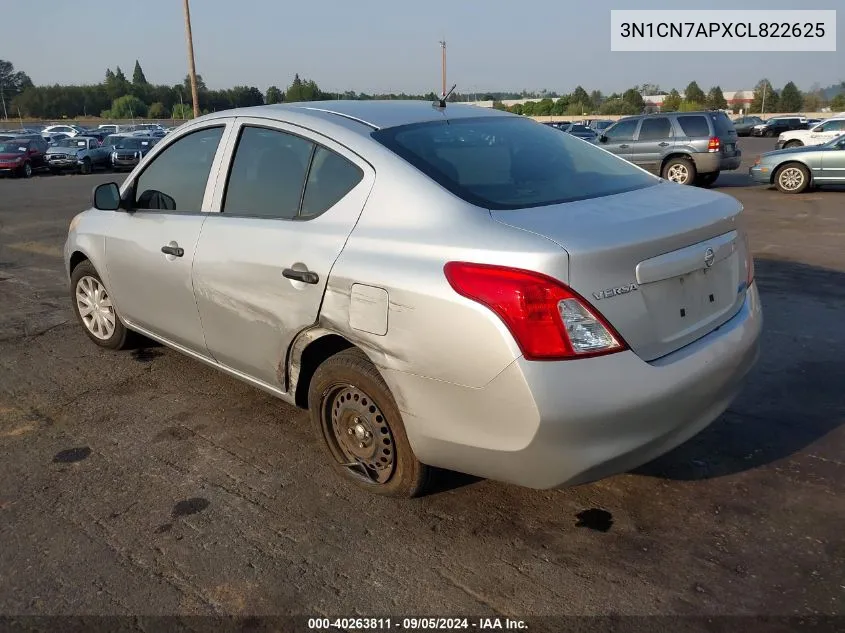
(287, 206)
(150, 245)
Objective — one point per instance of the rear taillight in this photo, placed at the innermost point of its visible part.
(548, 320)
(713, 144)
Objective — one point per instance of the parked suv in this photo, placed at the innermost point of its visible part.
(778, 125)
(745, 124)
(683, 147)
(22, 155)
(816, 135)
(80, 153)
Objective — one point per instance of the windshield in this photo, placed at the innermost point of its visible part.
(70, 142)
(133, 143)
(13, 148)
(510, 162)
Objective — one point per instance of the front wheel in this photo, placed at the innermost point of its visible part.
(793, 144)
(85, 168)
(792, 178)
(26, 170)
(681, 171)
(93, 307)
(360, 427)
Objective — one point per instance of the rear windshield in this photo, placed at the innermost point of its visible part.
(510, 162)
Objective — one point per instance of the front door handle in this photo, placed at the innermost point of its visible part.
(176, 251)
(305, 276)
(624, 146)
(663, 144)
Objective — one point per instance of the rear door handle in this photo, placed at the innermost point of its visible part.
(625, 146)
(663, 144)
(305, 276)
(176, 251)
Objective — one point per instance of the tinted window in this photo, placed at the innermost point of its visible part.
(510, 162)
(175, 180)
(622, 131)
(331, 177)
(695, 125)
(652, 129)
(832, 126)
(722, 124)
(267, 174)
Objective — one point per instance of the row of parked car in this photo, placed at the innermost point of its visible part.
(695, 147)
(61, 148)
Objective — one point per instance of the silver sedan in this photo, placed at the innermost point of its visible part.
(440, 287)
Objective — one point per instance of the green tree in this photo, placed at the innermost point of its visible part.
(516, 108)
(274, 95)
(837, 104)
(128, 107)
(12, 84)
(543, 107)
(791, 98)
(560, 106)
(690, 106)
(633, 100)
(596, 98)
(528, 108)
(765, 97)
(694, 93)
(650, 90)
(302, 90)
(157, 111)
(715, 99)
(138, 75)
(579, 95)
(182, 111)
(672, 101)
(498, 105)
(116, 84)
(813, 101)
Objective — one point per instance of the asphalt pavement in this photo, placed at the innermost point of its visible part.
(143, 482)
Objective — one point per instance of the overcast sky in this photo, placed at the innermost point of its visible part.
(384, 45)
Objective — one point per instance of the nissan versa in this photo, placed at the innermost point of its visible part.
(439, 286)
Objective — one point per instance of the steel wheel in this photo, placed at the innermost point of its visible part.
(678, 173)
(95, 307)
(358, 434)
(791, 179)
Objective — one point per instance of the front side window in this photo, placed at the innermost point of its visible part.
(832, 126)
(654, 129)
(622, 131)
(510, 162)
(176, 179)
(268, 174)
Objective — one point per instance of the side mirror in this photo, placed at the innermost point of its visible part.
(603, 138)
(107, 197)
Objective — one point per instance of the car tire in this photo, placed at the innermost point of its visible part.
(85, 168)
(679, 170)
(706, 180)
(358, 423)
(87, 290)
(26, 170)
(789, 144)
(769, 133)
(792, 178)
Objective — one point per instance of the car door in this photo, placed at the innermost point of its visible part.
(833, 164)
(827, 131)
(288, 200)
(654, 139)
(151, 242)
(619, 138)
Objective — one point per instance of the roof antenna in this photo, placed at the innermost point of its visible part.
(441, 101)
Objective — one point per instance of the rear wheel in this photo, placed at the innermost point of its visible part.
(792, 144)
(93, 307)
(792, 178)
(360, 427)
(769, 133)
(680, 171)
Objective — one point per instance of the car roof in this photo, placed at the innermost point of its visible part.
(375, 114)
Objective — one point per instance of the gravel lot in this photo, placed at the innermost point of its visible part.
(146, 483)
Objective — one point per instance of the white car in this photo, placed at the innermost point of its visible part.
(70, 130)
(816, 135)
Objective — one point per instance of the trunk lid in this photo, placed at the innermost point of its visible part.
(664, 265)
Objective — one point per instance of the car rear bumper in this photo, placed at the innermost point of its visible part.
(554, 424)
(709, 162)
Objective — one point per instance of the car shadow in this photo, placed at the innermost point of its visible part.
(794, 395)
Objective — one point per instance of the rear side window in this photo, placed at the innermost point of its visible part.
(510, 162)
(694, 125)
(268, 174)
(331, 177)
(175, 180)
(653, 129)
(723, 125)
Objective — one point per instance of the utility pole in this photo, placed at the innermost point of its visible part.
(763, 106)
(191, 67)
(443, 68)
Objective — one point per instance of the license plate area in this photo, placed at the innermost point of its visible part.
(680, 305)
